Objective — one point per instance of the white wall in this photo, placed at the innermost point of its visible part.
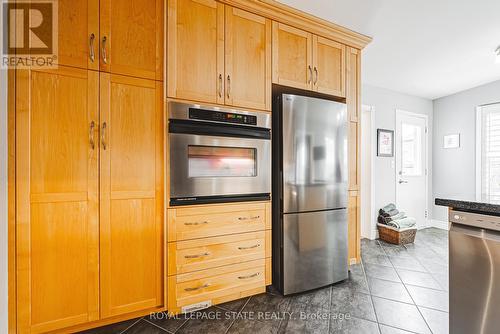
(385, 103)
(454, 169)
(3, 202)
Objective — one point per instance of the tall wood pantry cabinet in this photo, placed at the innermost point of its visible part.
(89, 169)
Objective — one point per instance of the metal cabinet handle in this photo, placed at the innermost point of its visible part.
(249, 276)
(197, 288)
(220, 85)
(196, 223)
(248, 218)
(91, 135)
(91, 47)
(195, 256)
(103, 135)
(228, 86)
(249, 247)
(104, 55)
(316, 72)
(310, 74)
(401, 181)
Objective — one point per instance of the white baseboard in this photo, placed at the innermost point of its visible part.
(439, 224)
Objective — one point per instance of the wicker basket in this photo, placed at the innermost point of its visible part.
(394, 236)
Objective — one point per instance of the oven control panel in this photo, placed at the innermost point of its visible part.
(219, 116)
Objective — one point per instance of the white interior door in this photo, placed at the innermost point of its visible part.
(411, 165)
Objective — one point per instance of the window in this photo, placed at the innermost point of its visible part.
(217, 161)
(488, 153)
(411, 150)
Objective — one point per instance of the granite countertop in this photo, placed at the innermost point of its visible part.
(470, 206)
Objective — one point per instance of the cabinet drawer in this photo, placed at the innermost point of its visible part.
(199, 254)
(213, 285)
(211, 221)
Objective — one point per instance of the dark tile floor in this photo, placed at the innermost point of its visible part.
(396, 289)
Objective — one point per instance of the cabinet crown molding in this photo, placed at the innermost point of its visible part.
(296, 18)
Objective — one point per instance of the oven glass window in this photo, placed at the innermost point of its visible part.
(217, 161)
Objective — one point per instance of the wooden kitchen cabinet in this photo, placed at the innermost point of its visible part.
(353, 227)
(329, 67)
(131, 38)
(57, 198)
(131, 194)
(306, 61)
(292, 56)
(78, 33)
(218, 54)
(195, 52)
(248, 60)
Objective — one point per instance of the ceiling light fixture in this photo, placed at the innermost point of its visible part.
(497, 53)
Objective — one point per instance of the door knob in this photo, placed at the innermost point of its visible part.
(401, 181)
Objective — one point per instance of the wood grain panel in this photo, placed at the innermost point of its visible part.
(353, 80)
(131, 168)
(247, 60)
(57, 241)
(292, 56)
(329, 66)
(199, 254)
(353, 229)
(196, 50)
(134, 37)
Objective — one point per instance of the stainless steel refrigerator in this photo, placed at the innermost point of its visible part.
(310, 181)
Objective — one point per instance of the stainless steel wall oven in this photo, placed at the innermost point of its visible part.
(218, 155)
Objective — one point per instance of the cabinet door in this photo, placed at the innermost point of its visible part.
(131, 38)
(248, 59)
(56, 197)
(78, 33)
(196, 50)
(353, 84)
(131, 194)
(292, 57)
(329, 66)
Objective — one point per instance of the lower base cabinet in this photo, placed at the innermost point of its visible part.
(217, 253)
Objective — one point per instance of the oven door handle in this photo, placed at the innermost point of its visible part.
(220, 130)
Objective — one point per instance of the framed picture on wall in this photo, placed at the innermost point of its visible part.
(385, 143)
(451, 141)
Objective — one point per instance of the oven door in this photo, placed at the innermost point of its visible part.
(207, 168)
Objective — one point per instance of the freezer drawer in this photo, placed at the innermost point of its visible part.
(314, 249)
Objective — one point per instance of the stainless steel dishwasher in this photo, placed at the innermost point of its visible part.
(474, 273)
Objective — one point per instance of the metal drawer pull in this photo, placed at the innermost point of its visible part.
(228, 86)
(310, 74)
(220, 85)
(249, 276)
(104, 56)
(103, 135)
(248, 218)
(316, 71)
(249, 247)
(197, 288)
(195, 256)
(91, 134)
(196, 223)
(91, 47)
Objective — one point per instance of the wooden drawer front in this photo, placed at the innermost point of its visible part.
(193, 255)
(184, 225)
(213, 284)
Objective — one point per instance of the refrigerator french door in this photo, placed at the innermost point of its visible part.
(310, 193)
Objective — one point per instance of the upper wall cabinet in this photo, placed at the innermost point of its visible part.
(218, 54)
(307, 61)
(248, 60)
(131, 38)
(196, 50)
(78, 33)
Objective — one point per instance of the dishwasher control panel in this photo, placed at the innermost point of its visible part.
(475, 220)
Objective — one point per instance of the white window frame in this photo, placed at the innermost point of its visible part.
(479, 121)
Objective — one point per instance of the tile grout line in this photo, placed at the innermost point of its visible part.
(237, 313)
(135, 322)
(163, 329)
(371, 297)
(429, 327)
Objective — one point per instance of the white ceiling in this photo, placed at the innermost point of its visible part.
(427, 48)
